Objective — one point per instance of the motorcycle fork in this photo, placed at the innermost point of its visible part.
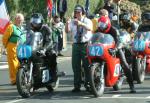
(31, 70)
(102, 71)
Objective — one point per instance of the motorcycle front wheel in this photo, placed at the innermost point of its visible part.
(97, 81)
(22, 81)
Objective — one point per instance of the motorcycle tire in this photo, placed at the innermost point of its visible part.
(119, 83)
(139, 70)
(23, 87)
(97, 81)
(55, 84)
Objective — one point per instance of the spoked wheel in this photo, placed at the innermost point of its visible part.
(139, 70)
(22, 81)
(119, 83)
(97, 81)
(54, 85)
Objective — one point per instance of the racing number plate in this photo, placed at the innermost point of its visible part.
(95, 50)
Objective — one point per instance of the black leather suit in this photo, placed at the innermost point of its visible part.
(48, 47)
(127, 68)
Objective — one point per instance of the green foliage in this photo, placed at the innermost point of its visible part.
(94, 5)
(144, 4)
(27, 7)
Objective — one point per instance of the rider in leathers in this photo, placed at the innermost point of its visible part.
(37, 25)
(104, 26)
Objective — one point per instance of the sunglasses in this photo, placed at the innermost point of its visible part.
(77, 12)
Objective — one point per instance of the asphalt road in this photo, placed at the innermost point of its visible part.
(63, 94)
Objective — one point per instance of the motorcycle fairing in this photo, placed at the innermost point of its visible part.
(24, 51)
(113, 71)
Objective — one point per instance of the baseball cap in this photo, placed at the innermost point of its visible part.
(78, 8)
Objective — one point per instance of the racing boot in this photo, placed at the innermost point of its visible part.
(130, 80)
(132, 89)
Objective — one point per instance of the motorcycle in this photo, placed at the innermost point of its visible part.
(148, 64)
(105, 68)
(141, 49)
(34, 71)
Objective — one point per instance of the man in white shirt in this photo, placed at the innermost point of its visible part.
(81, 29)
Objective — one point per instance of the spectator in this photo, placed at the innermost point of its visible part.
(12, 37)
(81, 29)
(109, 7)
(57, 34)
(62, 8)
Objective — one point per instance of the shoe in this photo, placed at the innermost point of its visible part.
(13, 83)
(50, 88)
(132, 90)
(60, 54)
(75, 90)
(87, 87)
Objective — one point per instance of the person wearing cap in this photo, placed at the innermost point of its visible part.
(57, 34)
(81, 29)
(11, 39)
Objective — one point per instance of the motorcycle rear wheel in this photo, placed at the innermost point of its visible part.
(54, 85)
(97, 81)
(119, 83)
(139, 70)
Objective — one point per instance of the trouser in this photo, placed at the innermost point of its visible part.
(13, 61)
(52, 64)
(60, 43)
(56, 47)
(126, 68)
(78, 60)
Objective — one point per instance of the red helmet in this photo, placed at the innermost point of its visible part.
(104, 24)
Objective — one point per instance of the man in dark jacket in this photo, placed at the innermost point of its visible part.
(62, 8)
(47, 44)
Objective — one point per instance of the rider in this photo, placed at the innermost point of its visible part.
(126, 23)
(37, 25)
(104, 26)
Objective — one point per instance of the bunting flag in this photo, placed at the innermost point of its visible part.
(4, 17)
(49, 7)
(87, 4)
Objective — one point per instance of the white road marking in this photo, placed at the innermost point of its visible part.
(14, 101)
(148, 97)
(114, 96)
(4, 67)
(123, 97)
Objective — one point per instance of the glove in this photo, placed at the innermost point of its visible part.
(50, 53)
(40, 52)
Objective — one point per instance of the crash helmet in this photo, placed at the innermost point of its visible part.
(104, 24)
(36, 21)
(126, 16)
(125, 20)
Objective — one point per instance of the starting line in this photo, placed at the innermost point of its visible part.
(4, 67)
